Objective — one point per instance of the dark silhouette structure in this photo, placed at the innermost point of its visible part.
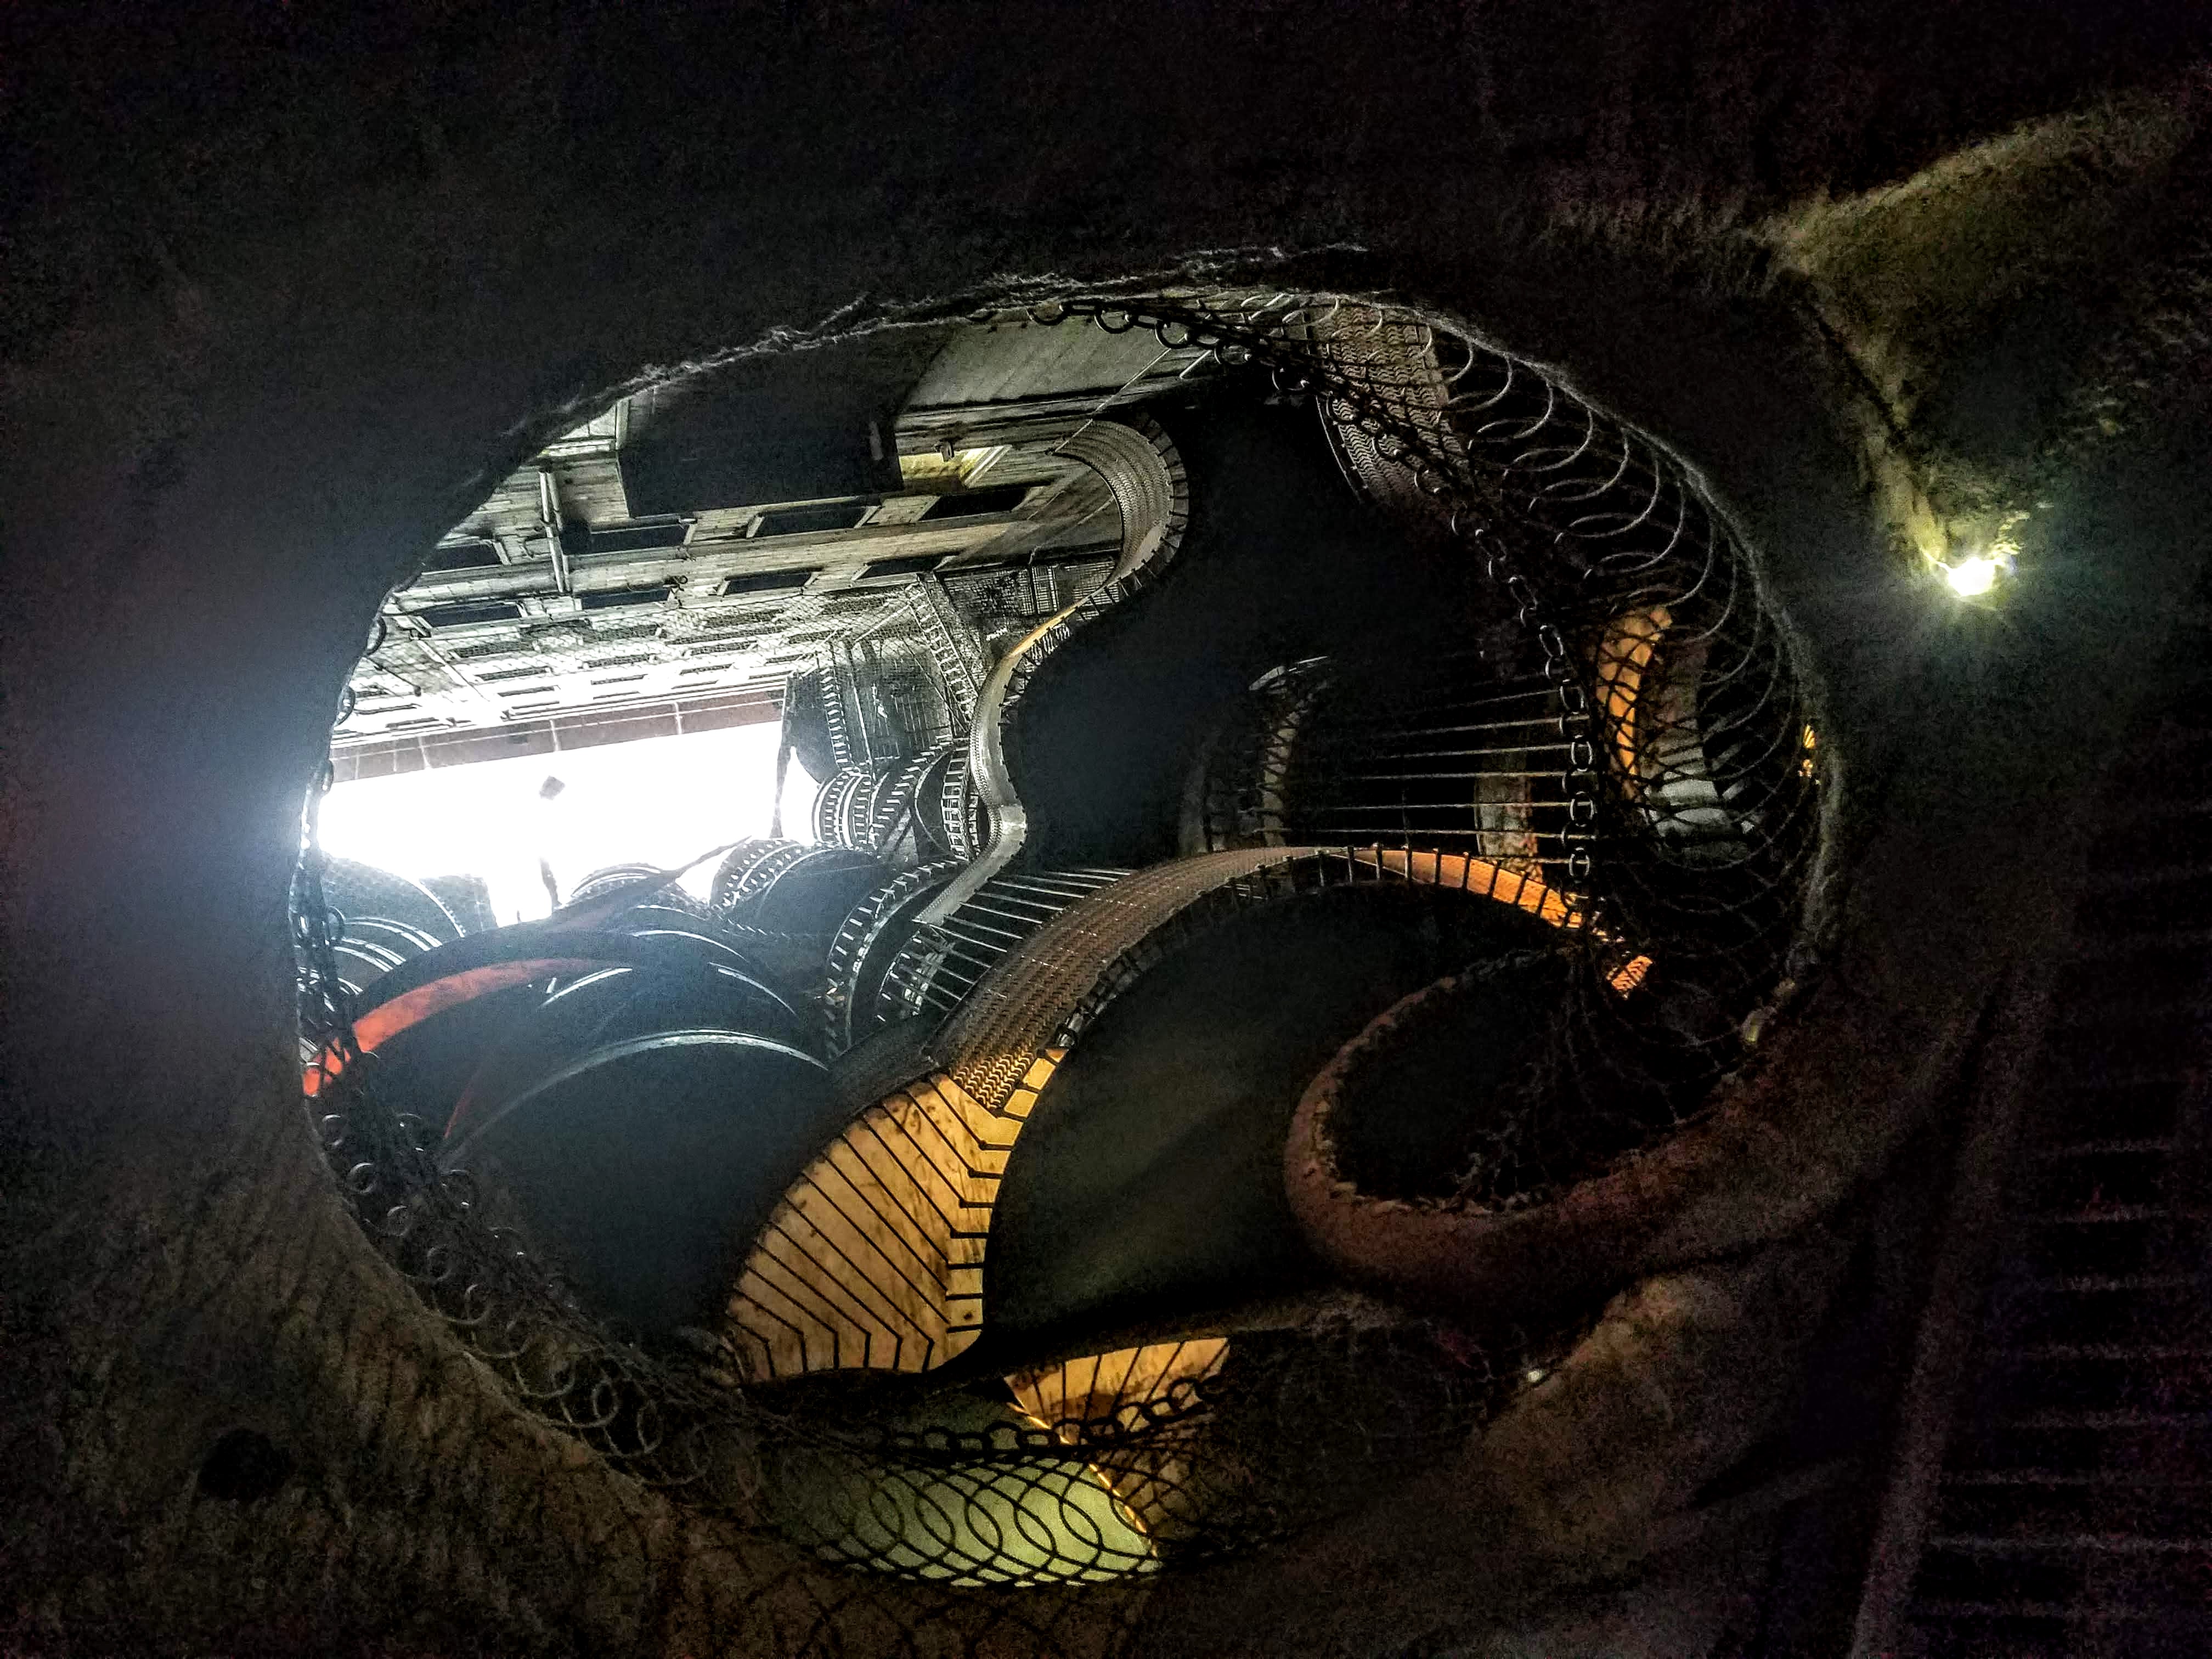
(1886, 1341)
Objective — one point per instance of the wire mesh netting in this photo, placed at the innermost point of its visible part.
(940, 963)
(1081, 1470)
(1621, 751)
(1617, 718)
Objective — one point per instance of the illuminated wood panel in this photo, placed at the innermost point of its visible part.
(874, 1258)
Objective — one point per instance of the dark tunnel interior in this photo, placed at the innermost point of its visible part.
(1105, 831)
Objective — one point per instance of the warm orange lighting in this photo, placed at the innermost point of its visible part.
(874, 1258)
(1628, 977)
(1515, 887)
(1626, 651)
(1063, 1397)
(1148, 1486)
(388, 1019)
(903, 1199)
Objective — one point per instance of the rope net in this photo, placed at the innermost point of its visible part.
(1614, 743)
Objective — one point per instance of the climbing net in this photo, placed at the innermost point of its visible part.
(1613, 711)
(1627, 732)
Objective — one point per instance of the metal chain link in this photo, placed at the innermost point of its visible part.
(1278, 337)
(683, 1428)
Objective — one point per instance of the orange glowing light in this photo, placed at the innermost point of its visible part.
(1626, 651)
(410, 1008)
(1629, 976)
(1515, 887)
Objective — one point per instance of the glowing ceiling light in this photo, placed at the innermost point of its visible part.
(1971, 578)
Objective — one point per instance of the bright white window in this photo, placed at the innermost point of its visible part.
(659, 801)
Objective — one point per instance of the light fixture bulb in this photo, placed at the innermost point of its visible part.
(1971, 578)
